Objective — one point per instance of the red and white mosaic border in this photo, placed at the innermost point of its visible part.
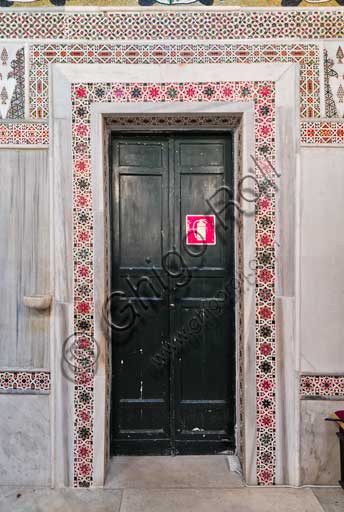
(22, 381)
(322, 132)
(307, 55)
(19, 134)
(312, 132)
(322, 386)
(262, 94)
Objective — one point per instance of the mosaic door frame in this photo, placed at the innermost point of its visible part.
(81, 96)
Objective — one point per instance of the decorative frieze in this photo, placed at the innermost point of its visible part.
(12, 81)
(322, 386)
(24, 381)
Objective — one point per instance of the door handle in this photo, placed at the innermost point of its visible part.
(172, 306)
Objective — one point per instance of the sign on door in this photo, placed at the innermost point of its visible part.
(200, 230)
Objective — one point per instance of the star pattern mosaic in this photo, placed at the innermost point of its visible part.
(83, 95)
(24, 381)
(307, 55)
(22, 134)
(322, 132)
(322, 386)
(80, 29)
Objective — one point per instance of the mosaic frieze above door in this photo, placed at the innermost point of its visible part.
(147, 3)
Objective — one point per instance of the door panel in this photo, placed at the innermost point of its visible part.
(186, 405)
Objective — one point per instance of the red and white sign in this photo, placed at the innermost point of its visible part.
(200, 230)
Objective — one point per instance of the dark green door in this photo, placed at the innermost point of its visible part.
(172, 307)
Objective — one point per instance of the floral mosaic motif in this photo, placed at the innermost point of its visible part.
(262, 94)
(21, 134)
(322, 386)
(24, 381)
(334, 79)
(305, 54)
(12, 81)
(322, 132)
(189, 25)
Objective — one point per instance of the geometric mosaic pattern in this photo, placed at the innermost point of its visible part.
(334, 78)
(187, 25)
(322, 386)
(12, 81)
(305, 54)
(24, 381)
(24, 133)
(322, 132)
(262, 94)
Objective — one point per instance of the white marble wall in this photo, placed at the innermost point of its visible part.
(24, 257)
(25, 440)
(322, 260)
(319, 443)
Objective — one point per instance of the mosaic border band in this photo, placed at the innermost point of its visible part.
(322, 132)
(262, 94)
(312, 132)
(24, 134)
(190, 25)
(25, 381)
(307, 55)
(322, 386)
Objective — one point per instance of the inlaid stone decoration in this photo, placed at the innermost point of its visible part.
(12, 81)
(263, 96)
(148, 3)
(322, 386)
(175, 2)
(307, 55)
(334, 78)
(71, 35)
(25, 381)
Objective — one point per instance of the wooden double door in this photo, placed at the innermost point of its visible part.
(172, 302)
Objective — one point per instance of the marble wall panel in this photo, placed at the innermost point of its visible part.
(322, 263)
(24, 257)
(319, 443)
(24, 440)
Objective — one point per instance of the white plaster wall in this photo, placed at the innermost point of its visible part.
(25, 440)
(322, 260)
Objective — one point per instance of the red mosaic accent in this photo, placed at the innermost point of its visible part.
(24, 133)
(322, 132)
(196, 25)
(262, 94)
(307, 55)
(22, 381)
(322, 386)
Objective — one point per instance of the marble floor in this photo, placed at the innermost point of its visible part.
(172, 484)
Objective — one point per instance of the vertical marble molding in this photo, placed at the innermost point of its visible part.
(25, 456)
(286, 351)
(62, 327)
(287, 140)
(319, 443)
(24, 257)
(322, 264)
(12, 81)
(287, 393)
